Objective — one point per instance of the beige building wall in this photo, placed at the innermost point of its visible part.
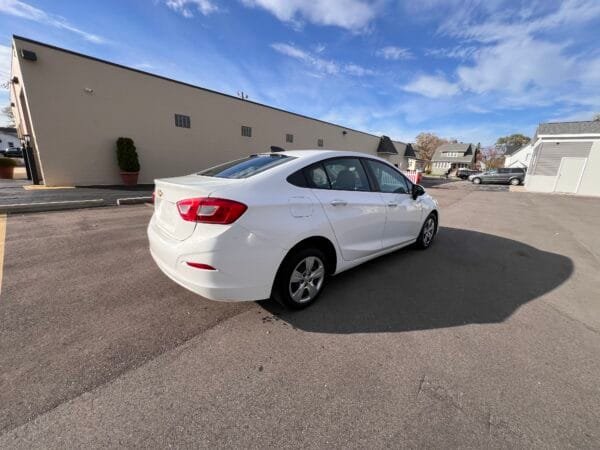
(79, 106)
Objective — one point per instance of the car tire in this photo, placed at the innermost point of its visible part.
(428, 232)
(515, 182)
(476, 180)
(301, 278)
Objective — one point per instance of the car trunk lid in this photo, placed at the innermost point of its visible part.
(168, 191)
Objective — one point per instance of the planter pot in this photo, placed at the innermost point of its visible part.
(129, 178)
(7, 172)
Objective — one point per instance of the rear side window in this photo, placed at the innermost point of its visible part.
(317, 177)
(247, 167)
(297, 179)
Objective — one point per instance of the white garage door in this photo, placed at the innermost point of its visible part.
(569, 174)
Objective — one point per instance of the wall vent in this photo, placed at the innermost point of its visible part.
(28, 55)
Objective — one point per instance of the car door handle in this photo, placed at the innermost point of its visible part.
(392, 204)
(338, 203)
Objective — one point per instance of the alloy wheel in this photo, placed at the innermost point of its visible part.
(428, 231)
(307, 279)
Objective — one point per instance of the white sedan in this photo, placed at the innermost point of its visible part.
(279, 224)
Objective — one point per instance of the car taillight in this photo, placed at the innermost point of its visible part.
(210, 210)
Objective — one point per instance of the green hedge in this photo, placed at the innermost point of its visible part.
(127, 156)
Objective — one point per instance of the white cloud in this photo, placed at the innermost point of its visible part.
(349, 14)
(432, 86)
(394, 53)
(322, 65)
(186, 7)
(517, 66)
(359, 71)
(519, 56)
(457, 52)
(5, 58)
(23, 10)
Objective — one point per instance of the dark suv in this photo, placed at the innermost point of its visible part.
(463, 173)
(511, 175)
(12, 152)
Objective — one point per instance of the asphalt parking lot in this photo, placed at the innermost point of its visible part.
(488, 339)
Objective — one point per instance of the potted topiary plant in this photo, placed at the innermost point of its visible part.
(128, 161)
(7, 168)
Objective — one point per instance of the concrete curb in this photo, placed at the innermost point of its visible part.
(52, 206)
(133, 200)
(71, 204)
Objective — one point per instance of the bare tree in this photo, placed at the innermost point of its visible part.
(492, 157)
(8, 113)
(427, 143)
(596, 117)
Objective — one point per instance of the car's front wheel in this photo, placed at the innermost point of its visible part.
(427, 232)
(476, 180)
(301, 278)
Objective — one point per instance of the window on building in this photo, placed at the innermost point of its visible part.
(319, 142)
(246, 131)
(182, 121)
(289, 138)
(11, 144)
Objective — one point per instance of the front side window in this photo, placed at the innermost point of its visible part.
(244, 168)
(388, 179)
(346, 174)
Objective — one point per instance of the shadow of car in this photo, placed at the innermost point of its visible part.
(466, 277)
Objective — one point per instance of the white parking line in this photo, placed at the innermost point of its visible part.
(2, 237)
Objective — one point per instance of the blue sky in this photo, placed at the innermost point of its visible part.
(472, 70)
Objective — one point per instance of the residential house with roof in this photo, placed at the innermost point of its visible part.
(566, 158)
(518, 157)
(8, 138)
(454, 156)
(401, 154)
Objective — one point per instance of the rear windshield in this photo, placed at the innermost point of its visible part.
(244, 168)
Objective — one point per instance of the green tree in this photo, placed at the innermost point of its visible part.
(512, 141)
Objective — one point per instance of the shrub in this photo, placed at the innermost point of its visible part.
(127, 157)
(7, 162)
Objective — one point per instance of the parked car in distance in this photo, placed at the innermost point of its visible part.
(12, 152)
(510, 175)
(464, 173)
(280, 224)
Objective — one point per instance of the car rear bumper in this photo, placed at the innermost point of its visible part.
(245, 265)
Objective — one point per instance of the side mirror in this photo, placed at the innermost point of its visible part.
(417, 191)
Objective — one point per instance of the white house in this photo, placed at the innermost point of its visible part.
(519, 157)
(566, 158)
(8, 138)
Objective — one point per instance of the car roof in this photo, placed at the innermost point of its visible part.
(317, 155)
